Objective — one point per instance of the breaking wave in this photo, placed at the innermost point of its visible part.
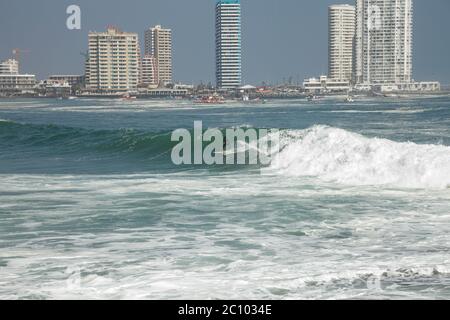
(337, 155)
(330, 154)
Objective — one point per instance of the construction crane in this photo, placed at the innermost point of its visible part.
(17, 52)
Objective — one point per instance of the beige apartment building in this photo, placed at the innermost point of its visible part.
(158, 43)
(113, 62)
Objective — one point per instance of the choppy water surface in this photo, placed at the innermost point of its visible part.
(355, 205)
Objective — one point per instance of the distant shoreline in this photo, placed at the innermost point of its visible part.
(337, 96)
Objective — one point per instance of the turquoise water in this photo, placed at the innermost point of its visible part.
(355, 205)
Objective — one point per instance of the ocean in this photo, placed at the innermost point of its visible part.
(355, 205)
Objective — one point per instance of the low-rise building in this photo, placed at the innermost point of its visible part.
(72, 80)
(413, 87)
(55, 88)
(163, 93)
(11, 84)
(181, 86)
(428, 86)
(325, 85)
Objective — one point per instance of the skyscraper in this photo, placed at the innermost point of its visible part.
(341, 23)
(383, 48)
(228, 44)
(158, 43)
(113, 61)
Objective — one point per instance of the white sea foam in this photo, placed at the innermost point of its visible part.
(344, 157)
(73, 252)
(403, 110)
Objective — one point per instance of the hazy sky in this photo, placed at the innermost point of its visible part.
(281, 38)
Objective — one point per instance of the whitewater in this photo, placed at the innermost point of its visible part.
(344, 157)
(355, 205)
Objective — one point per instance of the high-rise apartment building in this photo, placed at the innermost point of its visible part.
(158, 43)
(341, 33)
(149, 73)
(228, 44)
(383, 44)
(113, 61)
(10, 66)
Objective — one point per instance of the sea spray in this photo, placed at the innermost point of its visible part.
(337, 155)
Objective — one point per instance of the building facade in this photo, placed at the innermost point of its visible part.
(11, 84)
(341, 33)
(323, 85)
(228, 44)
(10, 66)
(149, 75)
(72, 80)
(383, 42)
(158, 43)
(55, 88)
(113, 61)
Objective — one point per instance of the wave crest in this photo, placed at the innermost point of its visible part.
(337, 155)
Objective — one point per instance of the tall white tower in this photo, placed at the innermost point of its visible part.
(383, 48)
(341, 33)
(228, 44)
